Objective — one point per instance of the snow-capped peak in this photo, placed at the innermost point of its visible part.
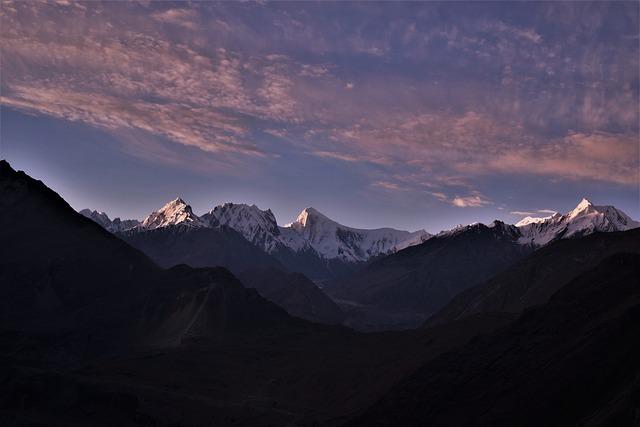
(584, 219)
(585, 206)
(176, 212)
(333, 240)
(307, 217)
(257, 226)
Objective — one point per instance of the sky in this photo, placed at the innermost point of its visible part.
(410, 115)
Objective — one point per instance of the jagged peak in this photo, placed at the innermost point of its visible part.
(175, 212)
(242, 217)
(178, 201)
(242, 207)
(583, 205)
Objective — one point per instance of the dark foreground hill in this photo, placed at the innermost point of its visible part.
(573, 361)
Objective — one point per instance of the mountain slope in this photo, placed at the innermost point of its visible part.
(423, 278)
(534, 279)
(58, 265)
(572, 361)
(294, 292)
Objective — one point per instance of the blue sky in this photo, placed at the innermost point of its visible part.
(412, 115)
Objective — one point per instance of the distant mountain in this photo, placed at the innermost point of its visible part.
(176, 212)
(535, 278)
(423, 278)
(583, 220)
(115, 226)
(311, 232)
(572, 361)
(257, 226)
(335, 241)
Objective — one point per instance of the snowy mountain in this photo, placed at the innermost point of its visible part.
(310, 231)
(332, 240)
(115, 226)
(176, 212)
(257, 226)
(585, 219)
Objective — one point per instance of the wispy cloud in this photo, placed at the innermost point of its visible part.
(522, 213)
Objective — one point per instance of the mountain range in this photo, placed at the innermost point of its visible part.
(94, 332)
(321, 246)
(313, 241)
(382, 278)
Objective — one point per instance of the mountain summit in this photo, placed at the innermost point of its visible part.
(176, 212)
(257, 226)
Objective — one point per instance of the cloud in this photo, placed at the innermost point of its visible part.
(335, 155)
(391, 186)
(469, 202)
(522, 213)
(598, 157)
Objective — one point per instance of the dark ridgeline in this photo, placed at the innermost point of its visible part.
(92, 332)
